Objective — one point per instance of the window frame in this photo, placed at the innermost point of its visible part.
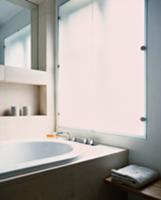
(93, 132)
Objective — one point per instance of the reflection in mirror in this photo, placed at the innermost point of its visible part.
(17, 32)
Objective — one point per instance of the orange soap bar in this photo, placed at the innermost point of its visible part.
(51, 136)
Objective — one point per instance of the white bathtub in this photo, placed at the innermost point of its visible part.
(20, 157)
(56, 170)
(23, 158)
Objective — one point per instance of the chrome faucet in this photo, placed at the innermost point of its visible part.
(63, 134)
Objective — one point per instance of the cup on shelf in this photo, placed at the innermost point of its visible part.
(26, 111)
(14, 111)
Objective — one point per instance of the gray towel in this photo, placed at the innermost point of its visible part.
(135, 176)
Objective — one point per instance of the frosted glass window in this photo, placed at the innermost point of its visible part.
(18, 48)
(102, 73)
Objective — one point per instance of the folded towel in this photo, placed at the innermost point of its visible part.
(134, 175)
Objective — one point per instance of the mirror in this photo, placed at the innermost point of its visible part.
(18, 34)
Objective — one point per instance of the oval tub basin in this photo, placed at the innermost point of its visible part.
(20, 157)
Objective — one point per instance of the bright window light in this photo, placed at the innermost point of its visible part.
(102, 68)
(18, 48)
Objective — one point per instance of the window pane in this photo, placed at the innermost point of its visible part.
(18, 48)
(75, 60)
(102, 74)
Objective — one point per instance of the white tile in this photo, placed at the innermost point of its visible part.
(27, 127)
(2, 129)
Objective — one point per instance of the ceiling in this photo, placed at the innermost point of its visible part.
(8, 10)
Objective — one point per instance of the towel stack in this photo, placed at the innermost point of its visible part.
(134, 175)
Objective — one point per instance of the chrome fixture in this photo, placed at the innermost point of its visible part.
(74, 139)
(85, 141)
(91, 142)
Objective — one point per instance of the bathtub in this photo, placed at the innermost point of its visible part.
(21, 157)
(54, 169)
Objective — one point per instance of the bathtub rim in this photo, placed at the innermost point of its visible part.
(65, 158)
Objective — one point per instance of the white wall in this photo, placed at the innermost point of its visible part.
(34, 126)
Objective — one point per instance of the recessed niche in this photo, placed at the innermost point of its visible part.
(20, 95)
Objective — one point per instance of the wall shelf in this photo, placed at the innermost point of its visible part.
(151, 191)
(20, 95)
(28, 116)
(23, 87)
(23, 117)
(23, 76)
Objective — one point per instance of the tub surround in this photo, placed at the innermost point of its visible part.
(35, 163)
(82, 178)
